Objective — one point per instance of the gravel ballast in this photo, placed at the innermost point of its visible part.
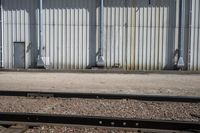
(103, 107)
(99, 107)
(76, 129)
(65, 129)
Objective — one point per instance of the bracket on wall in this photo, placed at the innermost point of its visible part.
(149, 2)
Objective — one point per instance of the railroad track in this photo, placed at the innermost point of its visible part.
(36, 119)
(101, 96)
(8, 119)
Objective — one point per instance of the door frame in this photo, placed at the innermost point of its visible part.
(14, 54)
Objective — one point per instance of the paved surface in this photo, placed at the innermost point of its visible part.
(165, 84)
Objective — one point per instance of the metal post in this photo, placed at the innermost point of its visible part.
(40, 62)
(40, 27)
(101, 27)
(100, 61)
(182, 17)
(2, 45)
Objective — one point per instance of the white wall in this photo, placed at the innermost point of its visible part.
(138, 35)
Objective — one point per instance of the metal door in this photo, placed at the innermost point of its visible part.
(19, 55)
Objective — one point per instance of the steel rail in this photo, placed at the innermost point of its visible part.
(97, 121)
(101, 96)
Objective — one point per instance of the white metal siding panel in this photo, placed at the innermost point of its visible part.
(1, 44)
(69, 32)
(1, 52)
(139, 33)
(1, 37)
(73, 25)
(195, 36)
(18, 22)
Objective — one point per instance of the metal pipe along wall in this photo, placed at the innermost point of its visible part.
(1, 35)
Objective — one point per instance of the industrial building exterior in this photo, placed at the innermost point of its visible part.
(74, 34)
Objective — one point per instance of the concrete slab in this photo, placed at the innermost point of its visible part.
(160, 84)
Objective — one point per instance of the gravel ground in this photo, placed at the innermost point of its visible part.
(156, 84)
(74, 129)
(98, 107)
(113, 108)
(64, 129)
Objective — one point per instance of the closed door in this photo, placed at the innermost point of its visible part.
(19, 55)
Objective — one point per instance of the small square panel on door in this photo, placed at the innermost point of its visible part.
(19, 55)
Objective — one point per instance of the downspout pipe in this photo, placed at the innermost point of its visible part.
(40, 62)
(1, 30)
(182, 17)
(100, 62)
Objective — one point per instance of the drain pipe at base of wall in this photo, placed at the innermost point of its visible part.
(100, 62)
(40, 61)
(182, 17)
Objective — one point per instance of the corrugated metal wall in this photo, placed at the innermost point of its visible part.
(1, 55)
(139, 34)
(1, 63)
(1, 50)
(70, 33)
(194, 41)
(19, 25)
